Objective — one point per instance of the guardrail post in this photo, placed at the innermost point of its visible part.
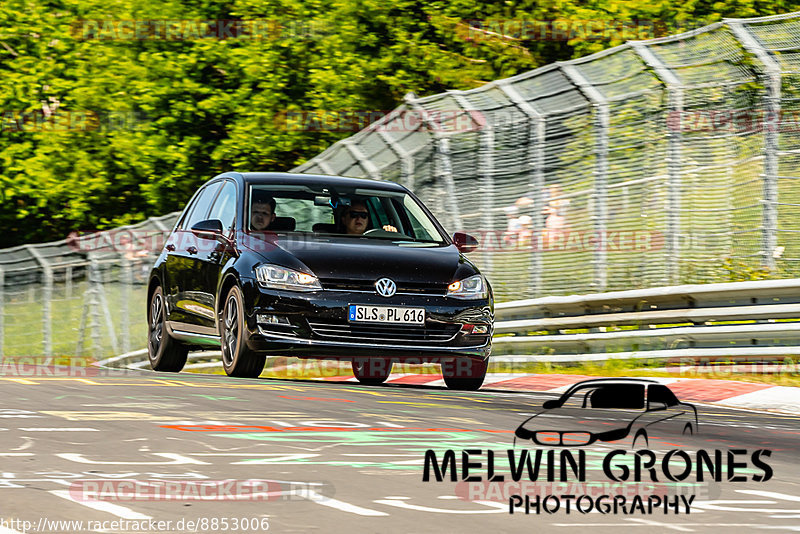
(600, 215)
(772, 126)
(444, 168)
(536, 157)
(675, 93)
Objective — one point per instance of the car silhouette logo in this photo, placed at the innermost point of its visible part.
(609, 409)
(385, 287)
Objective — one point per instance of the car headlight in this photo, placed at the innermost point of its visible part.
(275, 277)
(473, 287)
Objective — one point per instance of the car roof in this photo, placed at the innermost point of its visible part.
(620, 380)
(325, 180)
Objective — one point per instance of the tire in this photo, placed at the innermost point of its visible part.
(372, 371)
(641, 433)
(237, 358)
(165, 353)
(464, 374)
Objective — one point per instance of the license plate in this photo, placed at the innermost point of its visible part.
(386, 314)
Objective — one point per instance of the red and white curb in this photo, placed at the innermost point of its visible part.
(738, 394)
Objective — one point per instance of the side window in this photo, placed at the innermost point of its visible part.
(224, 207)
(305, 213)
(187, 211)
(201, 205)
(661, 394)
(420, 223)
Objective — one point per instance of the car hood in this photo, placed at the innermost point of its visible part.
(364, 259)
(592, 420)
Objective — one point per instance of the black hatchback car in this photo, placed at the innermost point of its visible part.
(318, 267)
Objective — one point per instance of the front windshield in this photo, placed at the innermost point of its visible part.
(355, 212)
(607, 396)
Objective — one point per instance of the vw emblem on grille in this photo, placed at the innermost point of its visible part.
(385, 287)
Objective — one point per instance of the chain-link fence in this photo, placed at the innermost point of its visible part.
(82, 296)
(658, 162)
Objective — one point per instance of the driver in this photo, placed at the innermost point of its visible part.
(356, 218)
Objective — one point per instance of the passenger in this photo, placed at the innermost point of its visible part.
(355, 219)
(262, 211)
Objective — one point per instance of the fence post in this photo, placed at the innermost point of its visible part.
(772, 126)
(536, 160)
(485, 168)
(675, 92)
(68, 282)
(127, 283)
(600, 215)
(47, 323)
(94, 308)
(47, 297)
(405, 157)
(444, 167)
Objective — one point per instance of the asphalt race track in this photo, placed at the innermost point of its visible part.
(300, 456)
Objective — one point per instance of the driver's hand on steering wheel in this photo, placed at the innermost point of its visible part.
(389, 228)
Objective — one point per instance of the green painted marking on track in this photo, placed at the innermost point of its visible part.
(358, 464)
(360, 438)
(212, 397)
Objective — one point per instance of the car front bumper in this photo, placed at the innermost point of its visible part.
(315, 325)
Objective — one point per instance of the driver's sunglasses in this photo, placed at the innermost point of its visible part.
(358, 214)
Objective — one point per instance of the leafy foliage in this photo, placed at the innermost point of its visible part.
(162, 115)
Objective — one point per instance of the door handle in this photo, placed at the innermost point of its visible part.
(192, 250)
(170, 247)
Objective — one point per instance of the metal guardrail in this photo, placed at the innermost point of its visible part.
(753, 320)
(757, 320)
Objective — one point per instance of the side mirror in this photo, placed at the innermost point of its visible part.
(464, 242)
(210, 229)
(549, 405)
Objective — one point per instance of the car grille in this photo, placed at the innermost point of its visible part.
(395, 334)
(413, 288)
(553, 437)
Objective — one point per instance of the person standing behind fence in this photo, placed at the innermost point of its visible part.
(555, 213)
(519, 224)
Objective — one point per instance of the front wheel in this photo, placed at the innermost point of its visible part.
(165, 353)
(372, 371)
(464, 374)
(237, 358)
